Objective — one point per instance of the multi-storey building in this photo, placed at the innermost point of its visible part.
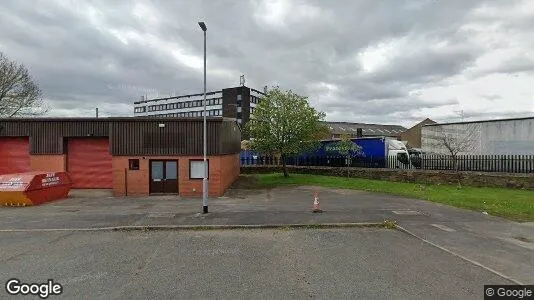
(236, 102)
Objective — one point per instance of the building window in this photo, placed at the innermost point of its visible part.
(133, 164)
(220, 112)
(238, 97)
(196, 168)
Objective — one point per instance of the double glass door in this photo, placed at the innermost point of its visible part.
(163, 177)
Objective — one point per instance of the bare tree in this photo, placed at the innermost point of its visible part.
(19, 93)
(453, 140)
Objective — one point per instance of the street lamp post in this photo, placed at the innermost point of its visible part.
(205, 179)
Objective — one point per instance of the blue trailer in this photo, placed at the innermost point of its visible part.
(371, 147)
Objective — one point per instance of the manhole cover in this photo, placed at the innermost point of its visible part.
(406, 212)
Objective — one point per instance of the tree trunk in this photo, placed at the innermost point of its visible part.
(457, 171)
(284, 165)
(348, 165)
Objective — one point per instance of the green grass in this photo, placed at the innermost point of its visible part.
(512, 204)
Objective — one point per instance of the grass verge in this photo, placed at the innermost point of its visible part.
(512, 204)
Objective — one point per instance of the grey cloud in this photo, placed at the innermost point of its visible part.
(70, 57)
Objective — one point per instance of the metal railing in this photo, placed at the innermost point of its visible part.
(478, 163)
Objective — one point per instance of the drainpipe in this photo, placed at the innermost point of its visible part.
(125, 182)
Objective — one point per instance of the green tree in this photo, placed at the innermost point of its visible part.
(284, 123)
(347, 148)
(19, 93)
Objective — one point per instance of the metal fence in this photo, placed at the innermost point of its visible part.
(480, 163)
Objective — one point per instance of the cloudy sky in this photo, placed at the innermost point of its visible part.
(386, 61)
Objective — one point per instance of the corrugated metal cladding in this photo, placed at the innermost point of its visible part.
(128, 136)
(46, 136)
(14, 157)
(230, 138)
(175, 138)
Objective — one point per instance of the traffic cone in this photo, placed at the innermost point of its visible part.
(316, 208)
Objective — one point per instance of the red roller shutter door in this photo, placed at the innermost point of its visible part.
(14, 155)
(89, 163)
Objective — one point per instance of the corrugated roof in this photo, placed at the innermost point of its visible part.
(368, 129)
(482, 121)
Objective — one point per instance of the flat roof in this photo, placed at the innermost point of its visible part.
(142, 118)
(481, 121)
(177, 97)
(193, 95)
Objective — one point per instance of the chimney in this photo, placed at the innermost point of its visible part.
(359, 132)
(96, 112)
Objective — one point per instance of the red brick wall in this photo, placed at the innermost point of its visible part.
(230, 169)
(193, 187)
(138, 183)
(223, 170)
(49, 163)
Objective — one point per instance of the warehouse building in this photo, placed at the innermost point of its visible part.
(485, 137)
(131, 156)
(339, 129)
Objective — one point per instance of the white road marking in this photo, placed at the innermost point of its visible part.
(443, 227)
(406, 212)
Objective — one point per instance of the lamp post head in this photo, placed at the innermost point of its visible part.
(203, 26)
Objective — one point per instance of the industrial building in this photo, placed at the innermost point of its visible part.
(131, 156)
(338, 129)
(236, 102)
(412, 136)
(487, 137)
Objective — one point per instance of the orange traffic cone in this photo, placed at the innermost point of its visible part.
(316, 208)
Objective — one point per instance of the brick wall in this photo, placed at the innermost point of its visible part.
(223, 170)
(230, 169)
(193, 187)
(49, 163)
(522, 181)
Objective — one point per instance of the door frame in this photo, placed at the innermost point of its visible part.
(164, 174)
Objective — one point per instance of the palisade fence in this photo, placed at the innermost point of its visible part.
(479, 163)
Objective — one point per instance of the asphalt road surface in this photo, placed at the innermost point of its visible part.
(356, 263)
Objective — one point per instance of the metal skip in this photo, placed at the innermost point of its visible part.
(33, 188)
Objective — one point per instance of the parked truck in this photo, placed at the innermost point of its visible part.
(379, 151)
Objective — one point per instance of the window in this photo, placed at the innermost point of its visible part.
(133, 164)
(196, 169)
(238, 97)
(180, 105)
